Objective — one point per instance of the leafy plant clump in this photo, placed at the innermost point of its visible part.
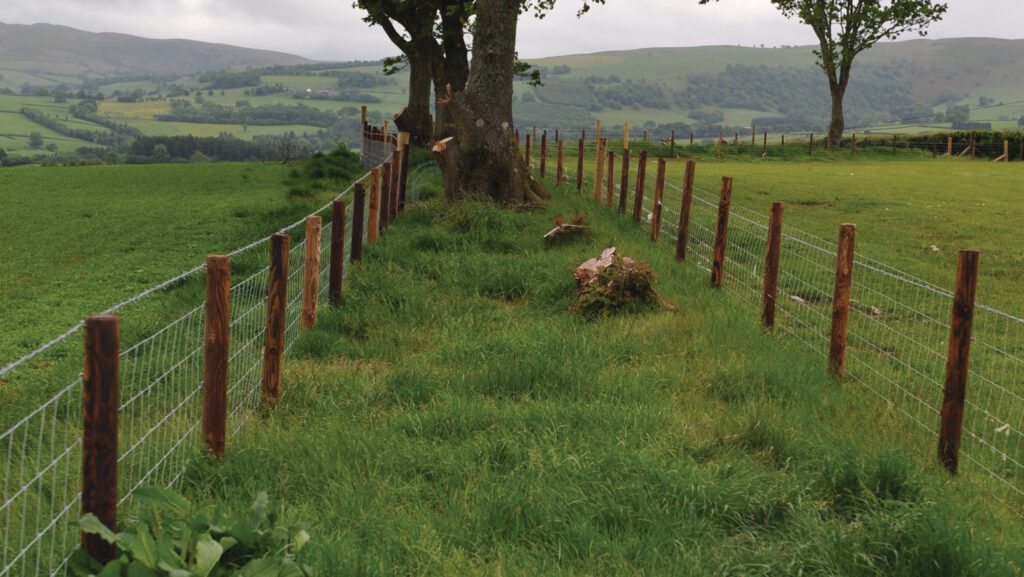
(324, 171)
(620, 283)
(171, 539)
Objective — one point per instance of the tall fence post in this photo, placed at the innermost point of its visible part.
(602, 148)
(543, 153)
(721, 232)
(683, 234)
(403, 143)
(954, 392)
(579, 165)
(560, 172)
(625, 136)
(358, 212)
(100, 377)
(624, 181)
(771, 266)
(841, 300)
(277, 317)
(659, 193)
(396, 177)
(641, 183)
(337, 271)
(385, 197)
(215, 365)
(610, 186)
(311, 273)
(527, 153)
(373, 219)
(764, 149)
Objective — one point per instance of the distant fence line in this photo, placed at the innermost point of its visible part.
(139, 412)
(971, 145)
(903, 339)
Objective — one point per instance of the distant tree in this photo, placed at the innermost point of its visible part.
(958, 113)
(60, 97)
(1020, 122)
(3, 153)
(35, 140)
(846, 28)
(160, 154)
(985, 101)
(51, 147)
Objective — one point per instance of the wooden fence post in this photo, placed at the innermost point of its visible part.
(403, 174)
(599, 170)
(384, 198)
(543, 153)
(954, 392)
(949, 146)
(560, 173)
(579, 165)
(841, 300)
(691, 138)
(277, 311)
(624, 181)
(396, 177)
(721, 232)
(764, 150)
(672, 150)
(373, 220)
(683, 234)
(215, 365)
(625, 136)
(1006, 151)
(311, 273)
(528, 152)
(641, 183)
(358, 211)
(659, 193)
(610, 186)
(337, 271)
(753, 135)
(771, 266)
(100, 400)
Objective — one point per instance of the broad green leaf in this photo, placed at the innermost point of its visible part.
(173, 571)
(228, 542)
(244, 533)
(81, 564)
(144, 548)
(113, 569)
(258, 515)
(138, 569)
(164, 499)
(299, 540)
(265, 567)
(90, 523)
(208, 554)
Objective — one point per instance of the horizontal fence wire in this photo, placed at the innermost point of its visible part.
(161, 378)
(899, 326)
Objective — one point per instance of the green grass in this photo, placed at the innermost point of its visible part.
(77, 240)
(452, 419)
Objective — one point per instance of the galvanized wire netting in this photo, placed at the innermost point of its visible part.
(899, 325)
(161, 378)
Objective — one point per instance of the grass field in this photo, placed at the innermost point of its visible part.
(79, 240)
(452, 419)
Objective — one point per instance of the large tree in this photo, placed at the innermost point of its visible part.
(845, 28)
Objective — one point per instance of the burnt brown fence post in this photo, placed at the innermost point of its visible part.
(721, 233)
(543, 153)
(641, 183)
(602, 149)
(771, 266)
(358, 214)
(659, 194)
(216, 351)
(955, 391)
(277, 310)
(841, 300)
(624, 182)
(683, 232)
(560, 173)
(610, 185)
(100, 376)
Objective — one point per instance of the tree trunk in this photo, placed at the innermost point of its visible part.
(484, 158)
(836, 125)
(415, 118)
(451, 68)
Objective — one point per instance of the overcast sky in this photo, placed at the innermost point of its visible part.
(333, 30)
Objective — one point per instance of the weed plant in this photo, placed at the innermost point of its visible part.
(452, 418)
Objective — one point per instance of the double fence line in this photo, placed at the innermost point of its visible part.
(138, 416)
(897, 328)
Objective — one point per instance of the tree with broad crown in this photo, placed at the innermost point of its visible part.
(845, 28)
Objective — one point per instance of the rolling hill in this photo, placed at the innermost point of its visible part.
(49, 55)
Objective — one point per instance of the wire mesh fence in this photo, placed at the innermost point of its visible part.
(161, 381)
(899, 325)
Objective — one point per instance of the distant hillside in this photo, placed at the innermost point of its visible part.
(48, 55)
(918, 82)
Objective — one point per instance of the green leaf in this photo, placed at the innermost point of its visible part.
(113, 569)
(144, 548)
(258, 515)
(265, 567)
(228, 542)
(208, 554)
(244, 533)
(163, 499)
(81, 564)
(90, 523)
(299, 540)
(138, 569)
